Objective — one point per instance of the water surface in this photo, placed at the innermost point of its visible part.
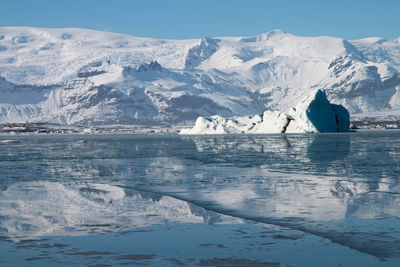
(301, 199)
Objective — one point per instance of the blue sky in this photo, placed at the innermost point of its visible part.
(178, 19)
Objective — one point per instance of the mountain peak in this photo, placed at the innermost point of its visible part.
(153, 65)
(271, 34)
(73, 76)
(277, 31)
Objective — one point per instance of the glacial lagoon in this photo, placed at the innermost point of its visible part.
(229, 200)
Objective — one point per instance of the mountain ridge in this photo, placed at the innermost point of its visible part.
(79, 76)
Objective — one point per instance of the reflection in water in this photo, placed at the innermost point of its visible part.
(326, 148)
(34, 209)
(343, 187)
(345, 199)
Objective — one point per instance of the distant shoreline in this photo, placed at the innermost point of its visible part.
(46, 128)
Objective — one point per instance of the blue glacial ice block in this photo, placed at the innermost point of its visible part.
(342, 118)
(321, 113)
(313, 114)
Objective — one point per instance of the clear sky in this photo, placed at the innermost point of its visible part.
(182, 19)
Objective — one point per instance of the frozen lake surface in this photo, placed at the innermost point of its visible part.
(230, 200)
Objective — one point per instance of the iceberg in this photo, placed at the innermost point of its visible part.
(313, 114)
(219, 125)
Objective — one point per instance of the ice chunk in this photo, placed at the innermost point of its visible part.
(273, 122)
(214, 125)
(311, 115)
(219, 125)
(342, 118)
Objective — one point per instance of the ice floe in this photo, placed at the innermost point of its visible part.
(314, 113)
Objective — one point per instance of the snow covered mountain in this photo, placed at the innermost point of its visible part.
(77, 76)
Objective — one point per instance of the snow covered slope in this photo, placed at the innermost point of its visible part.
(77, 76)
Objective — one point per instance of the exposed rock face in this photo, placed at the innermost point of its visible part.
(311, 115)
(197, 54)
(153, 65)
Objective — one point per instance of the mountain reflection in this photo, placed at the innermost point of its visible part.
(338, 186)
(35, 209)
(343, 187)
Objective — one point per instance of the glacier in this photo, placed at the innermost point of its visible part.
(313, 114)
(85, 77)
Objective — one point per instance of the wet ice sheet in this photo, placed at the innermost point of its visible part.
(343, 188)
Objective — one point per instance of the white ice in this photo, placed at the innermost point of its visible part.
(312, 114)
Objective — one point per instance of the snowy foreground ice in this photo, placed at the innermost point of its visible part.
(311, 115)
